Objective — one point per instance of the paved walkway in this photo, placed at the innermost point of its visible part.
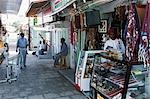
(68, 74)
(39, 80)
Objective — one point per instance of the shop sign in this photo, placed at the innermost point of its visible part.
(57, 1)
(35, 21)
(38, 20)
(48, 18)
(102, 28)
(60, 3)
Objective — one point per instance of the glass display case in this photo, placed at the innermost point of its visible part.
(111, 77)
(84, 69)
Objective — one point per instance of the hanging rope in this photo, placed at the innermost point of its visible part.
(44, 39)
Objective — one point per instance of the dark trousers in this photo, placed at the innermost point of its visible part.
(56, 59)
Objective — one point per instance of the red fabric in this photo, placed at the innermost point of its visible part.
(77, 87)
(57, 1)
(111, 30)
(47, 11)
(146, 24)
(145, 37)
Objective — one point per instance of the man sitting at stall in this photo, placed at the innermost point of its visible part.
(61, 55)
(42, 47)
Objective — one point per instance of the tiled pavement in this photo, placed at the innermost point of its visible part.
(68, 74)
(39, 80)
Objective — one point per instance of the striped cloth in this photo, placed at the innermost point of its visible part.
(144, 51)
(132, 32)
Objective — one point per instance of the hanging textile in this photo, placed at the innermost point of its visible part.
(132, 34)
(144, 48)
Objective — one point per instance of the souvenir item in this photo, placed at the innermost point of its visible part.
(144, 48)
(132, 33)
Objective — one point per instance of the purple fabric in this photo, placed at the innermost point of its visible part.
(132, 34)
(145, 37)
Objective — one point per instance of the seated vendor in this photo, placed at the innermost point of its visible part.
(115, 45)
(62, 54)
(42, 47)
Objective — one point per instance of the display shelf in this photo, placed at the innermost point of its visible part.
(118, 73)
(110, 72)
(108, 94)
(100, 92)
(121, 81)
(120, 85)
(112, 59)
(84, 69)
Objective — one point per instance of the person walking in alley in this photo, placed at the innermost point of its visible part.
(22, 46)
(44, 47)
(61, 55)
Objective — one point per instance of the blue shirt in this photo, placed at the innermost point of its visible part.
(64, 49)
(22, 43)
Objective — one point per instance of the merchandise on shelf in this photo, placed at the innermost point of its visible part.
(84, 69)
(109, 77)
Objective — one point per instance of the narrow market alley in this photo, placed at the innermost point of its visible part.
(74, 49)
(39, 80)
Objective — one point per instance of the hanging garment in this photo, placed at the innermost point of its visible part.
(144, 47)
(132, 34)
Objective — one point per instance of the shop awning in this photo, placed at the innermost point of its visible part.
(36, 7)
(62, 8)
(96, 4)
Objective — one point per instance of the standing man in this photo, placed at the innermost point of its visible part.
(114, 42)
(22, 46)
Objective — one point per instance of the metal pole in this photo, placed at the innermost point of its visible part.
(29, 35)
(127, 78)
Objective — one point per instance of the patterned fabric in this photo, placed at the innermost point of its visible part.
(132, 34)
(144, 51)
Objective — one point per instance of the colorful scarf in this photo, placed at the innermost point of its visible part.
(144, 48)
(132, 34)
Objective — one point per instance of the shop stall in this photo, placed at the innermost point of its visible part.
(120, 77)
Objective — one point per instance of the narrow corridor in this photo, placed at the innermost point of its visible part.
(39, 80)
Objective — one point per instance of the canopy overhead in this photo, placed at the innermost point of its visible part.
(36, 7)
(63, 7)
(10, 6)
